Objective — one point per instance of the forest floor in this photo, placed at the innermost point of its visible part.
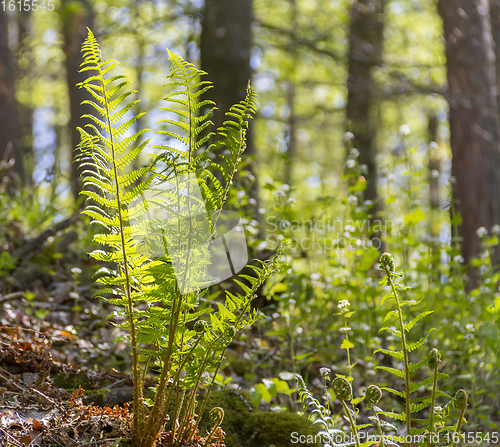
(50, 326)
(37, 406)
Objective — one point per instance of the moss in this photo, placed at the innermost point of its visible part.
(246, 426)
(69, 382)
(98, 397)
(240, 366)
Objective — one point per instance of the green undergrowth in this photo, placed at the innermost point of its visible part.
(428, 417)
(247, 426)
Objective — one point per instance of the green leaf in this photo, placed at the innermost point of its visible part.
(346, 344)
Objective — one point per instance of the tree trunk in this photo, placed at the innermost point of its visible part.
(495, 29)
(10, 153)
(474, 122)
(226, 43)
(365, 52)
(76, 17)
(25, 111)
(434, 167)
(291, 146)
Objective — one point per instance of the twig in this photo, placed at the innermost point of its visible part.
(34, 244)
(12, 437)
(34, 390)
(11, 297)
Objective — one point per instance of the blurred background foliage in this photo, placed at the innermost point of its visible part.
(350, 155)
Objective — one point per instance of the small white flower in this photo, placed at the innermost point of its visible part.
(240, 194)
(279, 193)
(433, 146)
(481, 232)
(368, 203)
(458, 259)
(483, 269)
(314, 276)
(469, 327)
(350, 163)
(76, 270)
(354, 153)
(435, 173)
(404, 129)
(344, 304)
(495, 229)
(349, 228)
(325, 372)
(348, 136)
(469, 336)
(353, 200)
(291, 201)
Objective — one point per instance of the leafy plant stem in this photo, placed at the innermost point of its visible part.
(405, 351)
(458, 428)
(433, 402)
(327, 394)
(351, 422)
(138, 409)
(379, 428)
(348, 352)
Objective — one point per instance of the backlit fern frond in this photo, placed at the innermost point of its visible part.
(107, 152)
(190, 113)
(229, 147)
(414, 406)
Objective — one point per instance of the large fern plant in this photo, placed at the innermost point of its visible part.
(158, 289)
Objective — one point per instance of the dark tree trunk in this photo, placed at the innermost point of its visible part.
(291, 147)
(434, 166)
(76, 17)
(9, 123)
(474, 123)
(226, 42)
(495, 29)
(365, 52)
(25, 111)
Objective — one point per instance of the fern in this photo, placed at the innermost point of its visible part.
(229, 147)
(145, 213)
(435, 429)
(417, 405)
(319, 413)
(104, 154)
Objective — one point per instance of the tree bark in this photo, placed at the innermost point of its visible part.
(226, 40)
(225, 47)
(25, 111)
(76, 17)
(10, 152)
(495, 29)
(474, 122)
(366, 35)
(434, 164)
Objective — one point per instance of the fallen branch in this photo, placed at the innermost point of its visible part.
(34, 244)
(11, 297)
